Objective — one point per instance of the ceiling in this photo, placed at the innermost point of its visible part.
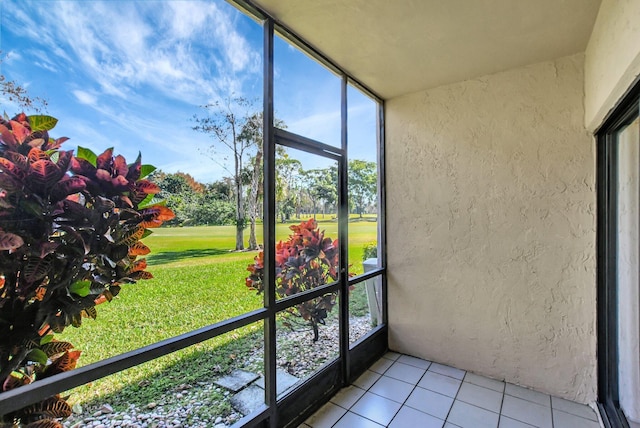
(401, 46)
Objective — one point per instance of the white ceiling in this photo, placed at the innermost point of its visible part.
(402, 46)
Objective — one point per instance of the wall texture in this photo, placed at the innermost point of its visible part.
(491, 228)
(612, 58)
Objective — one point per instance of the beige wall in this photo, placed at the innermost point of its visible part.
(491, 228)
(612, 58)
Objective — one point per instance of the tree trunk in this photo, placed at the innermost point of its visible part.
(239, 209)
(253, 200)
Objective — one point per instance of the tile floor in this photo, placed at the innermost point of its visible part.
(401, 391)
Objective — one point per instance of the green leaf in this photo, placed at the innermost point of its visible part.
(42, 122)
(81, 288)
(146, 170)
(146, 202)
(38, 356)
(151, 201)
(46, 339)
(88, 155)
(146, 233)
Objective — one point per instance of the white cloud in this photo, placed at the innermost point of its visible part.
(142, 67)
(167, 46)
(85, 97)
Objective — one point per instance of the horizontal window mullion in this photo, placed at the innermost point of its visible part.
(295, 141)
(365, 276)
(298, 298)
(254, 418)
(23, 396)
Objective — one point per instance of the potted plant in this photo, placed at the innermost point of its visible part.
(70, 236)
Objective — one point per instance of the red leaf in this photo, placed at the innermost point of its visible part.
(8, 167)
(20, 132)
(19, 160)
(103, 174)
(135, 169)
(120, 182)
(14, 381)
(120, 165)
(139, 265)
(154, 216)
(7, 138)
(105, 160)
(45, 172)
(147, 187)
(45, 423)
(35, 154)
(67, 186)
(65, 362)
(64, 160)
(82, 167)
(139, 249)
(141, 275)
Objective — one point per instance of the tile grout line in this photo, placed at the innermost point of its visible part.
(455, 398)
(504, 390)
(413, 389)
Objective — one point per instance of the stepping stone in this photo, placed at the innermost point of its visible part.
(247, 400)
(284, 381)
(236, 380)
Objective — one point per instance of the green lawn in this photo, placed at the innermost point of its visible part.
(197, 281)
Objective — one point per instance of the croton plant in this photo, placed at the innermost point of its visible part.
(70, 237)
(308, 259)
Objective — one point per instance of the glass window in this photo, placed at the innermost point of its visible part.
(306, 94)
(365, 298)
(308, 337)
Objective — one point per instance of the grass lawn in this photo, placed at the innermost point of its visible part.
(197, 281)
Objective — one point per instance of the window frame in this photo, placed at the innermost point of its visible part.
(354, 359)
(627, 110)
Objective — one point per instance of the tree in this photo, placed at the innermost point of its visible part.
(321, 187)
(195, 203)
(16, 93)
(252, 132)
(287, 184)
(362, 183)
(224, 121)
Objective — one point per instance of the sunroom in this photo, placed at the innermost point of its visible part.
(505, 138)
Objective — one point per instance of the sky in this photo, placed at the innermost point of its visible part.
(132, 75)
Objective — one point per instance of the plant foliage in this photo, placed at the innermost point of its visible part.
(308, 259)
(70, 231)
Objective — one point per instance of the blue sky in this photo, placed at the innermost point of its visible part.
(131, 75)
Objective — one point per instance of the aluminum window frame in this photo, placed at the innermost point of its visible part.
(627, 110)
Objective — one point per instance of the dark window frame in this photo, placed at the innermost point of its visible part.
(354, 359)
(622, 115)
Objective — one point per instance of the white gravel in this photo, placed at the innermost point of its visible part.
(185, 405)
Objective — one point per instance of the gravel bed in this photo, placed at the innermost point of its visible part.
(187, 405)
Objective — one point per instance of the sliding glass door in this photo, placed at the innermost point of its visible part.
(619, 266)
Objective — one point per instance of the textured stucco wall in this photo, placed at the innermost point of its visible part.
(612, 58)
(491, 228)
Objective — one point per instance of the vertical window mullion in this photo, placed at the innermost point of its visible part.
(269, 228)
(343, 233)
(382, 208)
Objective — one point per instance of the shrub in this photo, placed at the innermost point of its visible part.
(308, 259)
(370, 251)
(70, 230)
